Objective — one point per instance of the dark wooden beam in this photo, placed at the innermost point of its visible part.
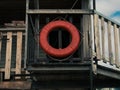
(59, 11)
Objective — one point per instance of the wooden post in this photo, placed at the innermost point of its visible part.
(1, 74)
(116, 44)
(110, 44)
(97, 36)
(8, 55)
(18, 53)
(103, 39)
(0, 43)
(85, 24)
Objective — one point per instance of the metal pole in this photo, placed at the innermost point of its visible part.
(94, 4)
(36, 4)
(26, 34)
(60, 39)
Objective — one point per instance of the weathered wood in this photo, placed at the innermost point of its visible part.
(0, 44)
(103, 39)
(85, 28)
(8, 55)
(15, 85)
(12, 29)
(58, 11)
(1, 74)
(110, 43)
(86, 37)
(12, 69)
(116, 44)
(13, 34)
(19, 53)
(97, 36)
(26, 35)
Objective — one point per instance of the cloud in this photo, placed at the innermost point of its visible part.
(110, 8)
(115, 14)
(107, 7)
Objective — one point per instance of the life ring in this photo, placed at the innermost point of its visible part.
(64, 52)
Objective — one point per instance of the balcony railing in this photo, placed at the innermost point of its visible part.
(106, 40)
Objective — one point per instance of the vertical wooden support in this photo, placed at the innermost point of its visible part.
(97, 36)
(85, 38)
(110, 44)
(85, 27)
(103, 39)
(8, 55)
(0, 43)
(36, 4)
(116, 44)
(1, 74)
(18, 53)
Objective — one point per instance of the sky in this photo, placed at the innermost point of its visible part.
(110, 8)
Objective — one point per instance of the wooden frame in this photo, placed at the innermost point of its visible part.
(10, 34)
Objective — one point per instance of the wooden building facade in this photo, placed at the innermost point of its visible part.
(25, 65)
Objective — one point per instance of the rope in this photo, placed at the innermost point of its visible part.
(59, 17)
(33, 29)
(72, 7)
(74, 4)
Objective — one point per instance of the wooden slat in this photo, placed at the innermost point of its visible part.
(8, 56)
(14, 34)
(85, 38)
(116, 44)
(110, 44)
(0, 44)
(97, 36)
(18, 53)
(16, 85)
(12, 29)
(85, 24)
(119, 40)
(12, 69)
(1, 74)
(103, 39)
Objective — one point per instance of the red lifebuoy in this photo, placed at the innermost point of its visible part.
(59, 53)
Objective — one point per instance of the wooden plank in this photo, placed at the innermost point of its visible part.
(119, 40)
(58, 11)
(8, 55)
(103, 39)
(15, 85)
(86, 38)
(12, 29)
(110, 44)
(18, 53)
(116, 44)
(0, 44)
(14, 34)
(1, 74)
(97, 36)
(85, 31)
(12, 70)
